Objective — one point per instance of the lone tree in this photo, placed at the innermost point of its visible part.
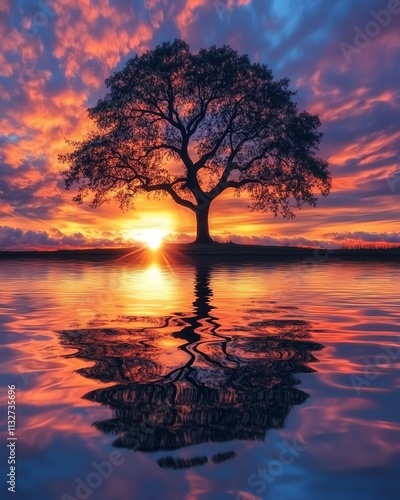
(192, 126)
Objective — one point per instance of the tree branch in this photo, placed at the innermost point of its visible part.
(168, 188)
(239, 184)
(206, 156)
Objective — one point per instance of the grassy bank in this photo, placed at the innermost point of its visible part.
(215, 252)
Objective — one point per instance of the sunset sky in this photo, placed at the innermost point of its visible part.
(343, 57)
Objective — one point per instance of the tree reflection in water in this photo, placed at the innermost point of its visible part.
(233, 385)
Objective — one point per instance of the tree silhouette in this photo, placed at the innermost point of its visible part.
(232, 386)
(191, 126)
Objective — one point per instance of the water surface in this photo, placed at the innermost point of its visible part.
(159, 381)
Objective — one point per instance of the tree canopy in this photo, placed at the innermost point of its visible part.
(191, 126)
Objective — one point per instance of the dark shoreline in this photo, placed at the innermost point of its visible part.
(218, 252)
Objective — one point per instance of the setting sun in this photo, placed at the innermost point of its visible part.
(151, 237)
(154, 239)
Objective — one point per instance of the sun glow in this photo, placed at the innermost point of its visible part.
(152, 238)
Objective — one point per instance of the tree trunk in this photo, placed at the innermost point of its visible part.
(203, 232)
